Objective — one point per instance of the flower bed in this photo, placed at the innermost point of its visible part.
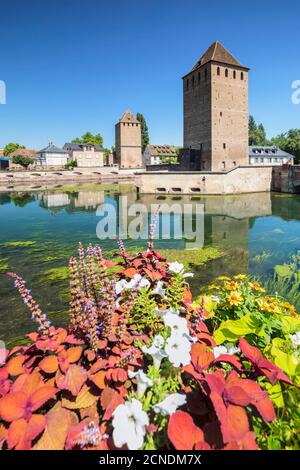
(142, 365)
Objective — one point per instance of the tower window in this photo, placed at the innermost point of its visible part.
(242, 75)
(199, 77)
(218, 71)
(234, 74)
(205, 74)
(224, 146)
(226, 72)
(187, 84)
(193, 80)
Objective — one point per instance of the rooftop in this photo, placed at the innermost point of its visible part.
(129, 117)
(267, 151)
(51, 148)
(167, 150)
(217, 53)
(70, 146)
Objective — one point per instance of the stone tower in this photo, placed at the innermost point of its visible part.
(216, 110)
(128, 142)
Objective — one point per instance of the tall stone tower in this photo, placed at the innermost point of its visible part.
(216, 110)
(128, 142)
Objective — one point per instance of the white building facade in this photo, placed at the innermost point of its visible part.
(269, 156)
(52, 156)
(85, 155)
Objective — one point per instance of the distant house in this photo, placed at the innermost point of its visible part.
(159, 154)
(86, 155)
(24, 153)
(268, 156)
(52, 156)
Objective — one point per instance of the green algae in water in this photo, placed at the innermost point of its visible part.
(54, 275)
(196, 257)
(16, 244)
(4, 264)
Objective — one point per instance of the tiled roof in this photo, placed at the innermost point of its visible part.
(157, 150)
(24, 152)
(129, 117)
(217, 53)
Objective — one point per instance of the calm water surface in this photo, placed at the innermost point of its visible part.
(41, 228)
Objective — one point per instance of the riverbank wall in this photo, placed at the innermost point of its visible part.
(236, 181)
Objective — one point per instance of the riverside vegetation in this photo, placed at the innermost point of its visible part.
(143, 365)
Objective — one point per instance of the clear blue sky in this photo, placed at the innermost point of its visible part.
(76, 65)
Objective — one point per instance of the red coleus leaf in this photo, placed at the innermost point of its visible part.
(73, 380)
(49, 364)
(110, 399)
(23, 401)
(247, 443)
(21, 432)
(201, 356)
(154, 275)
(15, 365)
(233, 419)
(262, 365)
(183, 433)
(234, 361)
(130, 272)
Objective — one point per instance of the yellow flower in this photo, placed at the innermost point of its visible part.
(235, 298)
(223, 278)
(232, 285)
(255, 285)
(214, 286)
(240, 277)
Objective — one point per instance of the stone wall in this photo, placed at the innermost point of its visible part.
(236, 181)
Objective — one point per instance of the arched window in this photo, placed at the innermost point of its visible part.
(226, 72)
(242, 75)
(234, 74)
(218, 71)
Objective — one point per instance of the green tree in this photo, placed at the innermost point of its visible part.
(22, 160)
(11, 147)
(289, 142)
(144, 130)
(89, 138)
(257, 133)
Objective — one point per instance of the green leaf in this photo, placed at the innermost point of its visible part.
(230, 330)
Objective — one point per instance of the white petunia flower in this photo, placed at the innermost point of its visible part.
(188, 275)
(144, 283)
(295, 340)
(163, 313)
(178, 350)
(143, 382)
(170, 404)
(120, 286)
(156, 351)
(129, 423)
(177, 324)
(134, 281)
(176, 267)
(159, 290)
(219, 350)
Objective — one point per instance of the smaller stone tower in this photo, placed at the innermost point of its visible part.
(128, 142)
